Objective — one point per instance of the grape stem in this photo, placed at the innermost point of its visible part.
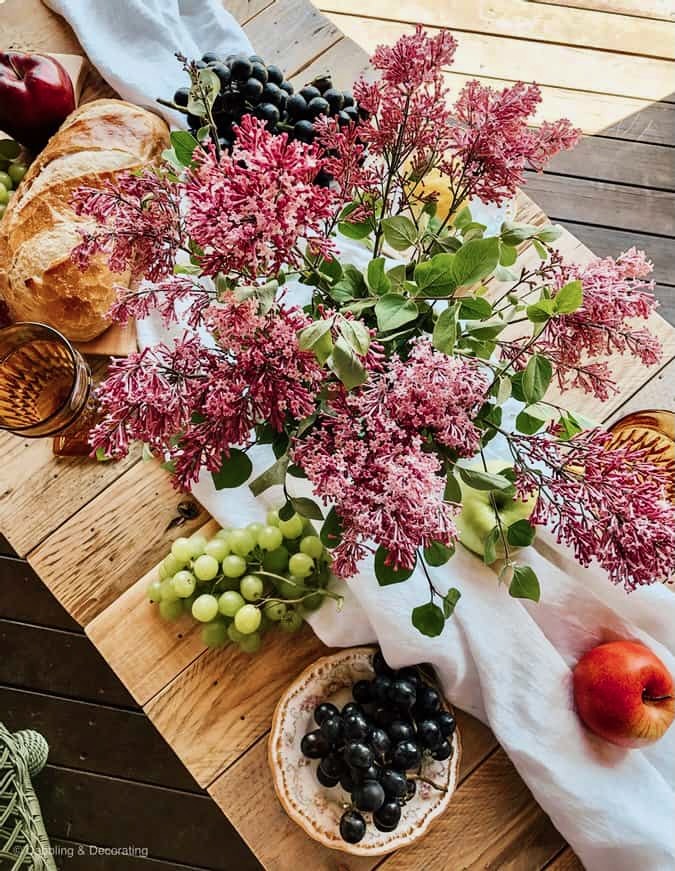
(428, 780)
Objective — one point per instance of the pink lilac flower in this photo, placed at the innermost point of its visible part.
(385, 487)
(250, 211)
(615, 293)
(491, 145)
(434, 393)
(608, 504)
(177, 298)
(139, 226)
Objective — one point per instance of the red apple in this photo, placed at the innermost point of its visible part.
(624, 693)
(36, 95)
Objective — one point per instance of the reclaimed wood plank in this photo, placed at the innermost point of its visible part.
(565, 861)
(582, 27)
(167, 648)
(662, 10)
(96, 738)
(37, 658)
(23, 597)
(559, 65)
(658, 393)
(244, 10)
(345, 61)
(210, 715)
(89, 857)
(101, 551)
(168, 824)
(607, 114)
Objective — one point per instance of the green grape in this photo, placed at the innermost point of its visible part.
(170, 610)
(234, 566)
(228, 584)
(222, 533)
(247, 619)
(168, 591)
(197, 544)
(311, 603)
(289, 589)
(205, 567)
(155, 591)
(3, 209)
(291, 621)
(254, 528)
(6, 180)
(188, 603)
(218, 548)
(205, 608)
(184, 583)
(162, 572)
(292, 528)
(181, 551)
(274, 611)
(276, 560)
(312, 546)
(241, 541)
(17, 171)
(270, 538)
(300, 565)
(250, 643)
(251, 588)
(230, 602)
(172, 565)
(272, 518)
(234, 634)
(4, 194)
(214, 634)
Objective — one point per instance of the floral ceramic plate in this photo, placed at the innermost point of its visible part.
(318, 809)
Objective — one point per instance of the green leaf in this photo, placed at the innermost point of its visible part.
(521, 533)
(396, 275)
(330, 268)
(434, 277)
(502, 389)
(445, 330)
(346, 365)
(286, 511)
(101, 455)
(203, 132)
(503, 273)
(550, 233)
(540, 249)
(462, 218)
(507, 255)
(478, 480)
(513, 233)
(393, 310)
(310, 335)
(331, 531)
(428, 619)
(234, 471)
(474, 308)
(376, 279)
(385, 574)
(536, 378)
(570, 426)
(306, 508)
(525, 584)
(276, 474)
(296, 471)
(355, 231)
(473, 230)
(9, 149)
(437, 554)
(569, 298)
(399, 232)
(184, 145)
(450, 601)
(351, 285)
(490, 546)
(475, 261)
(356, 334)
(528, 423)
(323, 348)
(452, 492)
(542, 311)
(517, 386)
(210, 86)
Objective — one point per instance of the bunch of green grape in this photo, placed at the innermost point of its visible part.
(245, 581)
(12, 170)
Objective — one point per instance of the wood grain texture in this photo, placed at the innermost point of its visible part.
(565, 861)
(223, 701)
(582, 27)
(96, 738)
(167, 648)
(659, 9)
(24, 598)
(101, 551)
(658, 393)
(559, 65)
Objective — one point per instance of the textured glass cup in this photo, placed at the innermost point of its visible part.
(45, 383)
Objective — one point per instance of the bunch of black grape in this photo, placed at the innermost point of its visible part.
(249, 86)
(369, 746)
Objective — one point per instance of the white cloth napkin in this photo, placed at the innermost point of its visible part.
(506, 661)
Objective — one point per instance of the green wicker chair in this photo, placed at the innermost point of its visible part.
(23, 840)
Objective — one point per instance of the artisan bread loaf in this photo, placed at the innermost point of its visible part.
(39, 230)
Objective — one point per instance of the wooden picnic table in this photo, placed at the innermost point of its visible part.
(94, 534)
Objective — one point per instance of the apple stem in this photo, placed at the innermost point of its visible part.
(647, 698)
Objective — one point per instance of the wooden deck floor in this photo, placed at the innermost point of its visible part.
(605, 64)
(112, 780)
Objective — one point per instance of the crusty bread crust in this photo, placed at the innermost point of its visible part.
(39, 229)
